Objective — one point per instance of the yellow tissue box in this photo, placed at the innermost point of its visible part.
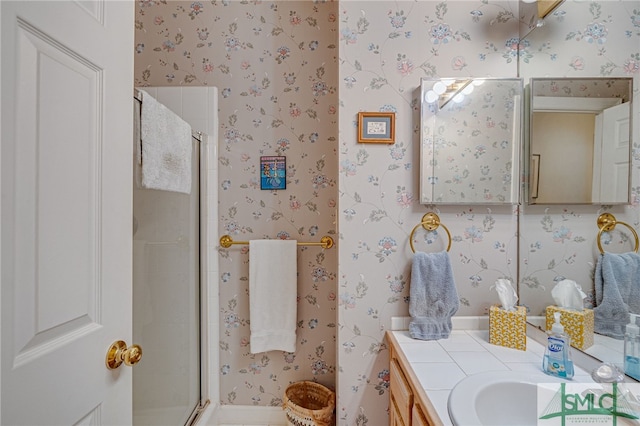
(578, 325)
(508, 328)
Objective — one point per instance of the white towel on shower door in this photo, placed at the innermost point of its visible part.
(166, 147)
(273, 292)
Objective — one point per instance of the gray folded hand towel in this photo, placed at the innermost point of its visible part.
(617, 287)
(433, 296)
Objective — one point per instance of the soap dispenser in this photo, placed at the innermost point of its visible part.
(632, 347)
(557, 356)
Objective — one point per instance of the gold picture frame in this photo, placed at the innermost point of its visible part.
(376, 127)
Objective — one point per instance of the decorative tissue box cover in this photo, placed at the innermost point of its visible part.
(577, 324)
(508, 328)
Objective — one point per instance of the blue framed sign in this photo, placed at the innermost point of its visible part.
(273, 172)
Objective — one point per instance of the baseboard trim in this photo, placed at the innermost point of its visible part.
(247, 415)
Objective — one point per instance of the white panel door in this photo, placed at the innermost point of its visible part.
(65, 211)
(614, 167)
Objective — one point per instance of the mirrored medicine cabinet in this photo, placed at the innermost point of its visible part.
(471, 131)
(578, 132)
(579, 135)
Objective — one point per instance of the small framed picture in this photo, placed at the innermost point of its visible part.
(376, 127)
(273, 172)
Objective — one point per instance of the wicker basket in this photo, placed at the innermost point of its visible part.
(309, 404)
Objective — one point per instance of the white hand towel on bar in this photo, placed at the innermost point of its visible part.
(273, 292)
(166, 147)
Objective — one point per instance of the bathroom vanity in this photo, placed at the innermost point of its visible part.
(424, 373)
(408, 401)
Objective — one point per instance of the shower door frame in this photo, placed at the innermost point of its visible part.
(203, 173)
(200, 142)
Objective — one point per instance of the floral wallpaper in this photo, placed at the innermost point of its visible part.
(597, 88)
(386, 48)
(275, 65)
(293, 75)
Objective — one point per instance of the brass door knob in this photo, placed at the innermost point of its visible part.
(119, 353)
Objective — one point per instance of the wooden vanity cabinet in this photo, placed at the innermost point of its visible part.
(401, 395)
(408, 401)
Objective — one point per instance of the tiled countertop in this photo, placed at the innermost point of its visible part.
(440, 364)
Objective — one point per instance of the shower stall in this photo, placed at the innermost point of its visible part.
(170, 269)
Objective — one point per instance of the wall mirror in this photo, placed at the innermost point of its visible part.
(547, 46)
(579, 134)
(471, 132)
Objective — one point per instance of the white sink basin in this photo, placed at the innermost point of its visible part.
(497, 398)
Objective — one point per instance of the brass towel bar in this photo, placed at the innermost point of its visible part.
(607, 222)
(325, 242)
(430, 222)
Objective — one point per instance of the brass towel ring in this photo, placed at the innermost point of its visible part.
(430, 222)
(607, 222)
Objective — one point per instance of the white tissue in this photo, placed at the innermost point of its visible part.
(568, 294)
(506, 293)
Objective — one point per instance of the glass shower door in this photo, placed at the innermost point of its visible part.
(166, 303)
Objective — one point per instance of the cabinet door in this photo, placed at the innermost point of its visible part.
(418, 417)
(395, 419)
(401, 392)
(392, 412)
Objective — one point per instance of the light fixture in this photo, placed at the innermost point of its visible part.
(447, 90)
(545, 7)
(459, 97)
(431, 97)
(468, 89)
(439, 88)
